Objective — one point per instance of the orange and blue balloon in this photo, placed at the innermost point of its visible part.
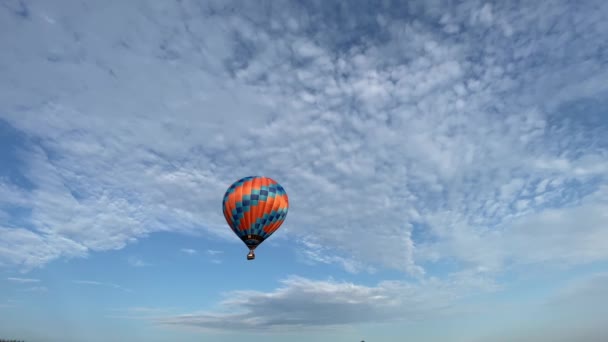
(255, 207)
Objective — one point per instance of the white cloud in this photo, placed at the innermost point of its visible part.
(87, 282)
(137, 262)
(23, 280)
(102, 284)
(34, 289)
(214, 256)
(566, 236)
(316, 253)
(372, 132)
(188, 251)
(35, 249)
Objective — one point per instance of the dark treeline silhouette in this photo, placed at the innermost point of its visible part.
(3, 340)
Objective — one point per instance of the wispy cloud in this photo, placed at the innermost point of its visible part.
(189, 251)
(23, 280)
(141, 312)
(215, 254)
(9, 303)
(87, 282)
(101, 284)
(137, 262)
(35, 289)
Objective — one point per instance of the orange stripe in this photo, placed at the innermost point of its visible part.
(228, 207)
(256, 184)
(251, 207)
(240, 193)
(282, 199)
(247, 191)
(265, 182)
(283, 204)
(232, 198)
(228, 217)
(235, 196)
(275, 225)
(278, 203)
(261, 205)
(275, 205)
(261, 211)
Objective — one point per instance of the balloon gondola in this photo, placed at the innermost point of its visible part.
(254, 208)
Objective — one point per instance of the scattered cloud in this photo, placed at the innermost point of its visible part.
(137, 262)
(102, 284)
(9, 303)
(140, 312)
(215, 256)
(87, 282)
(188, 251)
(316, 253)
(23, 280)
(35, 289)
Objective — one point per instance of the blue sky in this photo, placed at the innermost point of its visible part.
(445, 163)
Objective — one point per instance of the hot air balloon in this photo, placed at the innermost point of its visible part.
(255, 207)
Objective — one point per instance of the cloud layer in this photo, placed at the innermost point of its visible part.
(403, 136)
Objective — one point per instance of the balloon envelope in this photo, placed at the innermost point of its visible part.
(255, 207)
